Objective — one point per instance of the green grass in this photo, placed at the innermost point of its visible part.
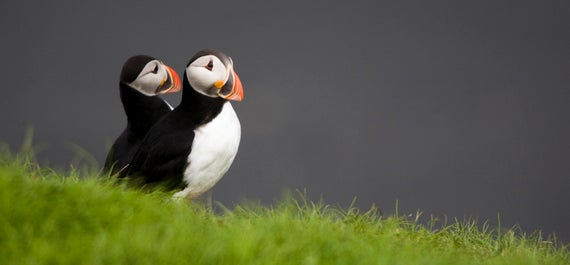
(78, 218)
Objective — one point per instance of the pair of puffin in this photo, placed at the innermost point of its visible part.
(189, 147)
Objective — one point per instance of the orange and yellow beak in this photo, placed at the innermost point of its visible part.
(232, 89)
(171, 84)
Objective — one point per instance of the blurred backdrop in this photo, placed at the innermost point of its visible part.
(456, 109)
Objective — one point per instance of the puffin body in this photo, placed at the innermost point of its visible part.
(214, 148)
(193, 146)
(142, 78)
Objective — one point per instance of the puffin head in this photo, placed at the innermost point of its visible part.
(149, 76)
(211, 73)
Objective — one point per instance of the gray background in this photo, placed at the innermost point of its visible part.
(457, 109)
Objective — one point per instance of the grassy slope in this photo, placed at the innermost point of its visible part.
(47, 218)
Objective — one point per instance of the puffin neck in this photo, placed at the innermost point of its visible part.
(142, 111)
(198, 107)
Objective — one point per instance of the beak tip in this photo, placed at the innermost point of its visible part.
(236, 93)
(176, 84)
(238, 88)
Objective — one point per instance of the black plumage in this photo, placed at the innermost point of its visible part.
(193, 146)
(166, 147)
(142, 113)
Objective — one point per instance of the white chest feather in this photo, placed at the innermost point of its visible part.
(214, 148)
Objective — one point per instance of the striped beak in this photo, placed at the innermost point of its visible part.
(232, 89)
(171, 84)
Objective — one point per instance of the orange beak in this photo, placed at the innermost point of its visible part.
(233, 89)
(172, 83)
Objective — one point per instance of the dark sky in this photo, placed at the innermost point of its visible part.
(457, 109)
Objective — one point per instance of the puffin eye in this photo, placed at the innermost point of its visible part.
(210, 65)
(155, 70)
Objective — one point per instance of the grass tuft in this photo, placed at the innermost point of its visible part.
(48, 217)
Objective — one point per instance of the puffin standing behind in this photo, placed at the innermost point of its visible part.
(193, 146)
(142, 79)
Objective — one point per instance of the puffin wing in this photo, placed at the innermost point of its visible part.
(162, 156)
(150, 111)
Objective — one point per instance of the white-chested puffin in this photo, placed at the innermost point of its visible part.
(193, 146)
(142, 79)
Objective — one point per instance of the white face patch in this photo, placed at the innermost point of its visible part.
(150, 78)
(202, 77)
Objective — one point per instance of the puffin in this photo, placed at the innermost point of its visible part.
(192, 147)
(142, 79)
